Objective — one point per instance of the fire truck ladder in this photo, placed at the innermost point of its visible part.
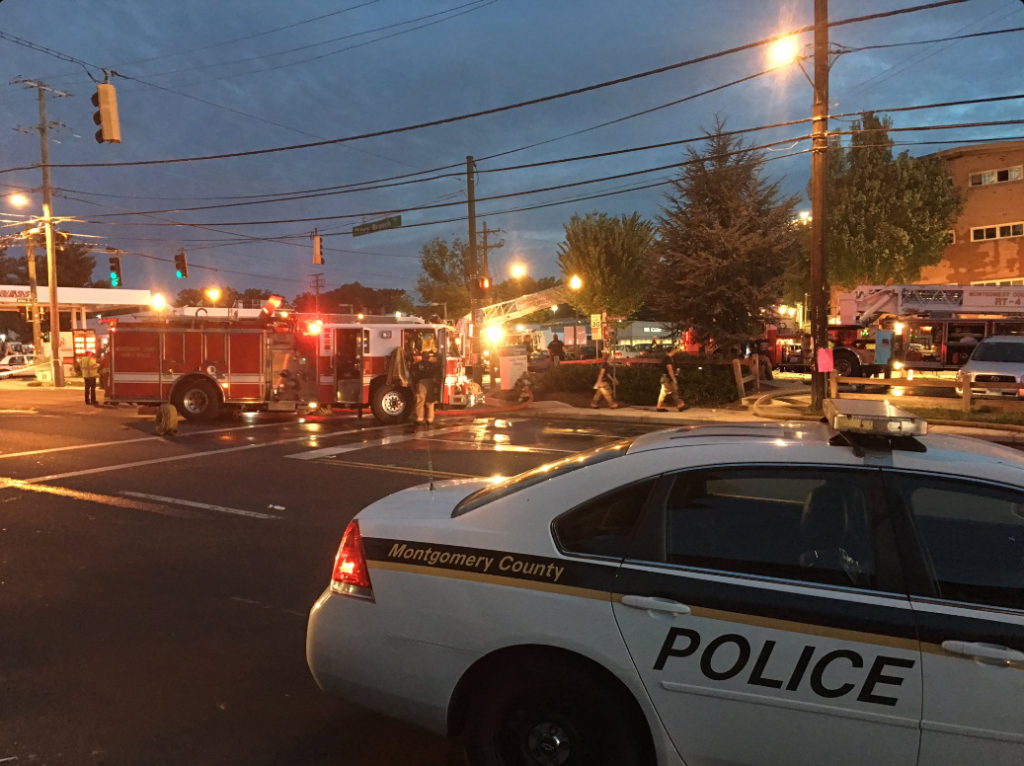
(506, 311)
(907, 300)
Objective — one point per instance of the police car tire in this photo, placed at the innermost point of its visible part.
(518, 702)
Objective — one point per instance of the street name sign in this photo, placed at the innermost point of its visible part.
(393, 222)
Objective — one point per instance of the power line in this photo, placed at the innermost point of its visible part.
(505, 108)
(238, 39)
(473, 6)
(953, 38)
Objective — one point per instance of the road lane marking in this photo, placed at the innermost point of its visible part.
(397, 439)
(204, 506)
(253, 602)
(403, 469)
(496, 447)
(193, 455)
(144, 439)
(93, 497)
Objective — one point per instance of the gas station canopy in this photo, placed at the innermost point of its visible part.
(75, 300)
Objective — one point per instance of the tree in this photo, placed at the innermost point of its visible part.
(190, 296)
(445, 275)
(356, 298)
(611, 256)
(726, 237)
(888, 217)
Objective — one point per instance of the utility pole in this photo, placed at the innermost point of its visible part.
(819, 298)
(51, 256)
(30, 260)
(317, 284)
(474, 274)
(488, 247)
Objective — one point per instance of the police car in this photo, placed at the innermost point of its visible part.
(757, 594)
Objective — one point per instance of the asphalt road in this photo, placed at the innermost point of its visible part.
(154, 592)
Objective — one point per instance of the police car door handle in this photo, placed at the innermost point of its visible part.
(984, 652)
(655, 604)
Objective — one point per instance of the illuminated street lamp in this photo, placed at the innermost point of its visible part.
(18, 200)
(159, 302)
(213, 295)
(783, 52)
(518, 271)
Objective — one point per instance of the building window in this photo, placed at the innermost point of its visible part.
(997, 176)
(1003, 231)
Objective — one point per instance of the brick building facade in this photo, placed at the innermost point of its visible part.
(988, 241)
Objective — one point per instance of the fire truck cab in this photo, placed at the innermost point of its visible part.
(357, 365)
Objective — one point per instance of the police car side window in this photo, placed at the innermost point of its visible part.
(797, 524)
(602, 527)
(972, 536)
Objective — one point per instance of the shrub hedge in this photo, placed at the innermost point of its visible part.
(707, 386)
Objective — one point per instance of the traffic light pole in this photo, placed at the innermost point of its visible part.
(474, 289)
(51, 256)
(819, 296)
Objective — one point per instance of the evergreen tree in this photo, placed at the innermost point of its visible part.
(726, 236)
(611, 256)
(888, 217)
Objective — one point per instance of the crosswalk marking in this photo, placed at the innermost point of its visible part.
(356, 446)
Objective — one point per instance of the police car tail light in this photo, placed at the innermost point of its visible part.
(351, 575)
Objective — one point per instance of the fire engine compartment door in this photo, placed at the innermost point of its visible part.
(349, 347)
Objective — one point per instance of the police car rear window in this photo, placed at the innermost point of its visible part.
(543, 473)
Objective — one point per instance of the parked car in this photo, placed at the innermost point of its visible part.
(17, 366)
(539, 361)
(997, 359)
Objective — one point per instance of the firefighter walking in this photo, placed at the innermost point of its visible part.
(606, 382)
(90, 371)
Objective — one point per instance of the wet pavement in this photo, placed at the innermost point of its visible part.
(154, 592)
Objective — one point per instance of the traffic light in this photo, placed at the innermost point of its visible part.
(181, 264)
(105, 101)
(485, 283)
(318, 250)
(115, 271)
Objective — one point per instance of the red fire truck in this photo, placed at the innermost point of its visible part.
(205, 363)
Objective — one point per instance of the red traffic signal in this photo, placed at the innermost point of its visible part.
(485, 283)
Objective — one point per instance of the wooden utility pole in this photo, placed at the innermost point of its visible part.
(819, 297)
(317, 283)
(474, 274)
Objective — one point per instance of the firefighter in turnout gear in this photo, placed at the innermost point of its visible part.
(426, 374)
(90, 371)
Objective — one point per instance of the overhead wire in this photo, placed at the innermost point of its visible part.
(507, 107)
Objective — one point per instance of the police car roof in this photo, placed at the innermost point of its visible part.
(731, 433)
(942, 449)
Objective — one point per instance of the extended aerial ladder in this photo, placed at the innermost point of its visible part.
(869, 302)
(506, 311)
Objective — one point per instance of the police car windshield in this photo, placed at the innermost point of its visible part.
(999, 352)
(544, 473)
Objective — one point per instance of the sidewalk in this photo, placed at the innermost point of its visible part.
(705, 415)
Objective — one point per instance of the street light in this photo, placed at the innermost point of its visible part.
(783, 51)
(159, 302)
(575, 284)
(518, 271)
(213, 294)
(18, 200)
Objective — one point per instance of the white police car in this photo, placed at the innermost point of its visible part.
(729, 594)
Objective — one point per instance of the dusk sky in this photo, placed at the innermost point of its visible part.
(348, 78)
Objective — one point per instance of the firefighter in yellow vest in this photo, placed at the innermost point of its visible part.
(90, 371)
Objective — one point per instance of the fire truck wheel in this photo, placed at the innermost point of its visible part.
(846, 364)
(390, 404)
(198, 400)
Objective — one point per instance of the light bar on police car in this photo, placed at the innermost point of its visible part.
(874, 418)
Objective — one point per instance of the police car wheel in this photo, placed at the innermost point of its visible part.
(551, 716)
